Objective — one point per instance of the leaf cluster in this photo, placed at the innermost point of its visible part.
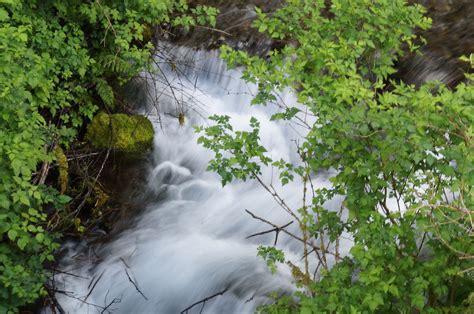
(401, 156)
(60, 62)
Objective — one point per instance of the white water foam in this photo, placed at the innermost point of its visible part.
(190, 243)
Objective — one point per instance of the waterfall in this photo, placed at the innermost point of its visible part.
(189, 241)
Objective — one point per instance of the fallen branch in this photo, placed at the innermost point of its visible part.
(66, 273)
(93, 285)
(89, 191)
(114, 301)
(44, 172)
(203, 301)
(135, 285)
(70, 295)
(214, 30)
(123, 261)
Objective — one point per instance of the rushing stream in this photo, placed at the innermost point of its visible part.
(190, 242)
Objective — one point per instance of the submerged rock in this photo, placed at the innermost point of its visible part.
(450, 37)
(132, 135)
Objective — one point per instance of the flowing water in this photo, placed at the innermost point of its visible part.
(189, 242)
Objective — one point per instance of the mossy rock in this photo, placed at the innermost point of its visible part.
(132, 135)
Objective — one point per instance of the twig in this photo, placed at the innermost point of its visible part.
(303, 226)
(67, 273)
(115, 300)
(250, 299)
(123, 261)
(68, 294)
(44, 172)
(316, 270)
(421, 245)
(82, 156)
(204, 300)
(214, 30)
(135, 285)
(109, 24)
(78, 209)
(94, 285)
(276, 230)
(307, 254)
(288, 233)
(270, 189)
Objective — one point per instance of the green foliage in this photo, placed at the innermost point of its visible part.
(272, 256)
(387, 141)
(129, 134)
(60, 62)
(244, 146)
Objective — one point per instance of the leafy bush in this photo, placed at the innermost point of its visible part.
(385, 139)
(60, 60)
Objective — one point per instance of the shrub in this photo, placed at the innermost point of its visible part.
(385, 139)
(58, 62)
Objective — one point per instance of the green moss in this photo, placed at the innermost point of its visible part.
(63, 168)
(128, 134)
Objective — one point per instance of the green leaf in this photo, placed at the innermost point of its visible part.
(39, 237)
(22, 242)
(12, 234)
(23, 37)
(394, 290)
(24, 199)
(3, 15)
(4, 227)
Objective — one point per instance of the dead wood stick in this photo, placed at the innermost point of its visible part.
(89, 191)
(214, 30)
(69, 295)
(135, 285)
(204, 300)
(316, 248)
(66, 273)
(114, 301)
(276, 230)
(44, 172)
(93, 285)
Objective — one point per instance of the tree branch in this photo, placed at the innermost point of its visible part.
(276, 230)
(289, 233)
(135, 284)
(203, 301)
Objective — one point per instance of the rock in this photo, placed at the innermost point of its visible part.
(132, 135)
(450, 37)
(233, 27)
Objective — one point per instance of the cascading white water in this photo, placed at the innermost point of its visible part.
(190, 243)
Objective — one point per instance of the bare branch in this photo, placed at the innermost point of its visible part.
(289, 233)
(270, 189)
(94, 284)
(214, 30)
(66, 273)
(276, 230)
(134, 283)
(114, 301)
(203, 301)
